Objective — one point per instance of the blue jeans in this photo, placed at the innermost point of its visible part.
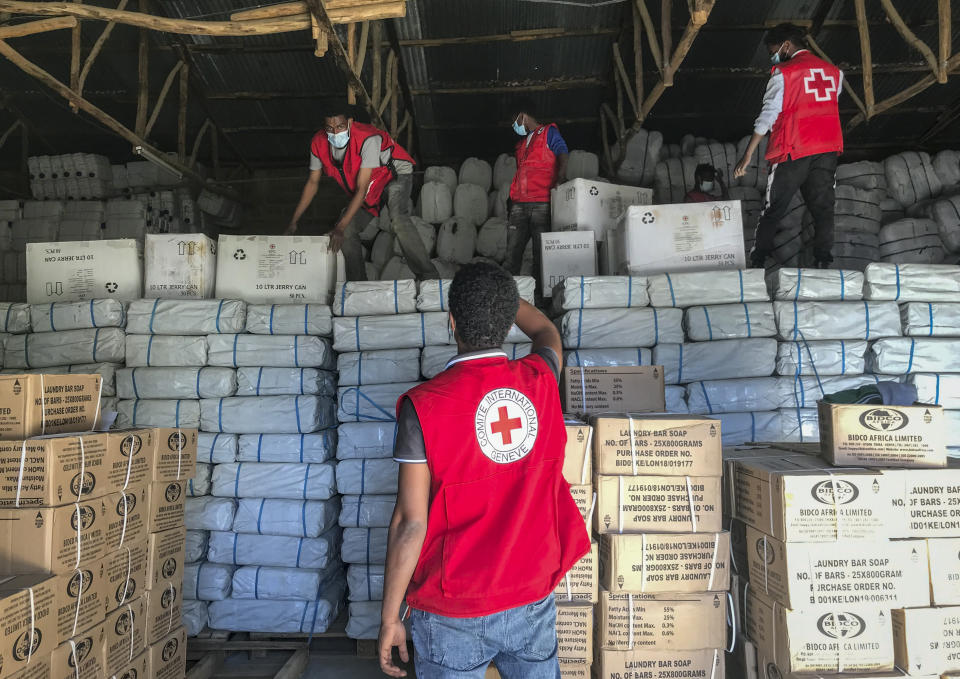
(521, 642)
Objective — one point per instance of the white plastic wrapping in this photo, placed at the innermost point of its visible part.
(378, 367)
(318, 447)
(195, 616)
(205, 581)
(729, 321)
(174, 351)
(638, 156)
(278, 617)
(365, 582)
(722, 156)
(601, 292)
(865, 174)
(798, 425)
(282, 584)
(14, 318)
(97, 313)
(673, 179)
(176, 382)
(276, 351)
(158, 413)
(719, 360)
(375, 298)
(675, 399)
(186, 316)
(312, 481)
(293, 518)
(200, 483)
(492, 239)
(836, 320)
(372, 402)
(289, 319)
(364, 620)
(904, 355)
(433, 360)
(457, 237)
(747, 427)
(811, 285)
(912, 282)
(367, 476)
(506, 167)
(285, 381)
(936, 389)
(366, 440)
(911, 177)
(107, 371)
(611, 328)
(244, 549)
(436, 202)
(707, 287)
(767, 393)
(405, 331)
(216, 448)
(209, 513)
(396, 268)
(433, 294)
(933, 319)
(946, 163)
(589, 358)
(442, 173)
(43, 349)
(367, 511)
(821, 357)
(196, 545)
(476, 171)
(364, 545)
(267, 414)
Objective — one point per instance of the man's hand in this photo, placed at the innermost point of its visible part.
(741, 168)
(291, 229)
(336, 238)
(393, 633)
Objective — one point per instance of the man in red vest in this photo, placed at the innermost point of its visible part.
(541, 164)
(800, 113)
(374, 170)
(485, 526)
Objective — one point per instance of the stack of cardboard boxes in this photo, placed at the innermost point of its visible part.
(83, 513)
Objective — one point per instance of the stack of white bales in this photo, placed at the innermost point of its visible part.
(39, 223)
(13, 274)
(857, 221)
(70, 176)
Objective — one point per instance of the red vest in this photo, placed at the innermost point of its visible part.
(346, 174)
(809, 122)
(536, 169)
(503, 528)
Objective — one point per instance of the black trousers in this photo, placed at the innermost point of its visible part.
(526, 221)
(815, 177)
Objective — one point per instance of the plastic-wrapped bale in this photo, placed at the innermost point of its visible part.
(364, 619)
(289, 319)
(433, 294)
(382, 251)
(476, 172)
(167, 351)
(378, 367)
(176, 382)
(492, 239)
(107, 371)
(366, 440)
(946, 215)
(722, 156)
(293, 518)
(759, 167)
(589, 358)
(673, 179)
(318, 447)
(905, 355)
(207, 581)
(396, 269)
(638, 154)
(375, 298)
(209, 513)
(517, 350)
(267, 414)
(376, 476)
(405, 331)
(506, 166)
(284, 381)
(612, 328)
(807, 321)
(216, 448)
(581, 164)
(195, 616)
(798, 425)
(931, 319)
(891, 210)
(364, 545)
(280, 584)
(433, 360)
(40, 350)
(719, 360)
(788, 245)
(855, 249)
(707, 287)
(809, 285)
(312, 481)
(751, 205)
(729, 321)
(865, 174)
(912, 282)
(365, 582)
(946, 164)
(14, 318)
(456, 240)
(97, 313)
(158, 413)
(195, 546)
(937, 389)
(199, 484)
(822, 357)
(444, 175)
(367, 511)
(186, 316)
(713, 397)
(275, 351)
(913, 241)
(747, 427)
(498, 201)
(600, 292)
(857, 209)
(436, 202)
(911, 177)
(675, 399)
(279, 617)
(428, 236)
(373, 273)
(373, 402)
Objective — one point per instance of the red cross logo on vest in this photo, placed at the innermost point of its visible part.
(820, 85)
(506, 425)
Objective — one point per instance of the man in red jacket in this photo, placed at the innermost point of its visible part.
(375, 171)
(485, 526)
(800, 113)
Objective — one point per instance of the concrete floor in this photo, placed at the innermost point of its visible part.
(343, 667)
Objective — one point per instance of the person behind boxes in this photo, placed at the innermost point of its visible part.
(705, 179)
(541, 164)
(485, 526)
(800, 113)
(374, 170)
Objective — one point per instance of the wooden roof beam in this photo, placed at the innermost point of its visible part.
(894, 16)
(39, 26)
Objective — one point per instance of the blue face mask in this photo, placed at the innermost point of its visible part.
(519, 129)
(707, 186)
(339, 140)
(775, 58)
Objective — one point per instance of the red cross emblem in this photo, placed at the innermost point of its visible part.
(505, 425)
(819, 84)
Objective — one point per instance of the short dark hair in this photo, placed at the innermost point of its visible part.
(705, 170)
(783, 32)
(337, 107)
(525, 105)
(483, 302)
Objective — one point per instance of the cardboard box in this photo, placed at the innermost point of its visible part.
(126, 634)
(738, 546)
(574, 668)
(883, 436)
(822, 638)
(665, 562)
(125, 575)
(175, 457)
(77, 271)
(579, 585)
(32, 405)
(165, 556)
(28, 621)
(667, 445)
(805, 574)
(742, 662)
(772, 670)
(944, 556)
(564, 254)
(661, 621)
(682, 237)
(704, 663)
(179, 266)
(80, 600)
(80, 657)
(578, 454)
(925, 502)
(54, 470)
(46, 539)
(131, 456)
(276, 269)
(135, 669)
(584, 497)
(168, 657)
(38, 668)
(164, 604)
(127, 514)
(588, 205)
(611, 389)
(636, 504)
(165, 505)
(730, 458)
(926, 640)
(575, 632)
(800, 499)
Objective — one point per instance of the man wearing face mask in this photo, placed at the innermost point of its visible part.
(376, 171)
(541, 164)
(800, 113)
(706, 178)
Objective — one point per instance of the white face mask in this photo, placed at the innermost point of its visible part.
(707, 186)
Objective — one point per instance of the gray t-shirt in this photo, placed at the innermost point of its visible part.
(409, 445)
(370, 157)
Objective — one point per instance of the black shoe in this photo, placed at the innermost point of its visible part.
(821, 264)
(757, 263)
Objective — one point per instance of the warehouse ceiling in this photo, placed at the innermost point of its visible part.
(461, 65)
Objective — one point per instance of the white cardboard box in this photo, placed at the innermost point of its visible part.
(77, 271)
(566, 253)
(277, 269)
(683, 237)
(588, 205)
(179, 266)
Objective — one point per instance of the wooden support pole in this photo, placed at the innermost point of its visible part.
(361, 55)
(182, 113)
(377, 63)
(894, 16)
(143, 77)
(638, 55)
(666, 36)
(394, 98)
(847, 89)
(946, 37)
(207, 666)
(207, 125)
(351, 55)
(295, 665)
(654, 42)
(865, 56)
(75, 44)
(340, 11)
(512, 36)
(39, 26)
(388, 97)
(319, 38)
(167, 84)
(95, 50)
(624, 80)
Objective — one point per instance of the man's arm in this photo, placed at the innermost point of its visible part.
(309, 191)
(540, 329)
(557, 144)
(562, 167)
(408, 528)
(772, 106)
(356, 203)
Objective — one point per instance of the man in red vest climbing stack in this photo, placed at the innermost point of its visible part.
(541, 164)
(484, 527)
(374, 170)
(800, 113)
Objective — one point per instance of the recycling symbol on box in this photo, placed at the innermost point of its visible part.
(111, 287)
(239, 255)
(648, 218)
(594, 191)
